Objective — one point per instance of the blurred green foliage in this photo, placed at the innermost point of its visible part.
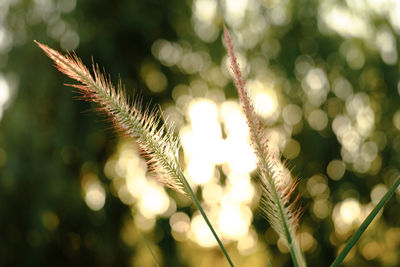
(48, 140)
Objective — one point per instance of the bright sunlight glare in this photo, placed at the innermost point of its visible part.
(200, 232)
(153, 201)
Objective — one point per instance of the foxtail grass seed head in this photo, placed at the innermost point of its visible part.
(275, 202)
(156, 140)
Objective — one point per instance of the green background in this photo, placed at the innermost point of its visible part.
(47, 138)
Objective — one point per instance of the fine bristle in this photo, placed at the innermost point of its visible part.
(156, 141)
(276, 187)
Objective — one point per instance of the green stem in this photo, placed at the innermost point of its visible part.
(295, 251)
(293, 256)
(339, 259)
(287, 232)
(149, 249)
(198, 205)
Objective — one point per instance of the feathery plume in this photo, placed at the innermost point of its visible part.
(276, 193)
(155, 139)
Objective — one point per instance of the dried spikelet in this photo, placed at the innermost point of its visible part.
(276, 193)
(155, 138)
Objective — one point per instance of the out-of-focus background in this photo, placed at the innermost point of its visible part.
(324, 76)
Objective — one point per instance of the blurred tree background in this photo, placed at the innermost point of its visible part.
(324, 77)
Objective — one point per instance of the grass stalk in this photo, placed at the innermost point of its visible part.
(149, 248)
(275, 192)
(154, 137)
(203, 214)
(353, 240)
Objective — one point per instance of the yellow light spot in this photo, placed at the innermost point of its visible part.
(156, 81)
(342, 88)
(344, 21)
(347, 214)
(392, 238)
(200, 232)
(180, 225)
(350, 210)
(234, 220)
(125, 196)
(4, 93)
(241, 190)
(205, 10)
(202, 142)
(282, 246)
(66, 6)
(377, 193)
(247, 244)
(200, 170)
(235, 122)
(317, 185)
(70, 40)
(264, 104)
(316, 79)
(279, 15)
(318, 119)
(265, 99)
(396, 119)
(212, 193)
(371, 250)
(240, 156)
(321, 208)
(292, 149)
(135, 184)
(144, 223)
(369, 151)
(192, 62)
(167, 52)
(202, 112)
(95, 196)
(386, 43)
(365, 121)
(154, 201)
(360, 165)
(6, 40)
(179, 222)
(292, 114)
(336, 169)
(307, 241)
(235, 11)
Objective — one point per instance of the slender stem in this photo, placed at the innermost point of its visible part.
(198, 205)
(339, 259)
(293, 256)
(149, 249)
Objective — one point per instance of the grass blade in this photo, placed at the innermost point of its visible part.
(149, 248)
(198, 205)
(353, 240)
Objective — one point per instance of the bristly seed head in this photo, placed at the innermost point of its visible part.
(275, 191)
(156, 140)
